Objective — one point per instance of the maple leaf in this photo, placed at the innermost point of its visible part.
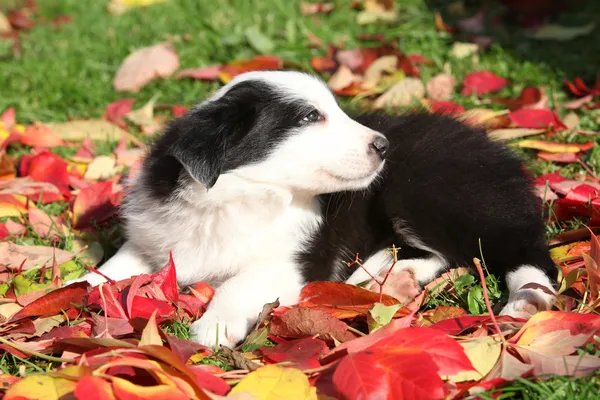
(144, 65)
(482, 82)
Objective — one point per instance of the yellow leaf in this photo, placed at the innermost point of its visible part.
(375, 71)
(562, 33)
(7, 310)
(117, 7)
(150, 334)
(462, 50)
(483, 353)
(102, 167)
(509, 134)
(96, 129)
(274, 382)
(41, 387)
(549, 146)
(402, 94)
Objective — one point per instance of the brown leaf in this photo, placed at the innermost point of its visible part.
(237, 359)
(144, 65)
(342, 79)
(301, 322)
(441, 86)
(404, 93)
(12, 255)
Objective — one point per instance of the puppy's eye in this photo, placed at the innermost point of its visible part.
(312, 116)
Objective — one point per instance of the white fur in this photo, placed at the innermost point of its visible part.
(241, 235)
(424, 269)
(520, 300)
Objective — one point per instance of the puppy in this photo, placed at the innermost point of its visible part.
(269, 185)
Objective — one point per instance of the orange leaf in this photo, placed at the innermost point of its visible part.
(258, 63)
(125, 390)
(552, 147)
(94, 388)
(559, 157)
(441, 25)
(549, 321)
(41, 136)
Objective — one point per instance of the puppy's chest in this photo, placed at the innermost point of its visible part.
(231, 238)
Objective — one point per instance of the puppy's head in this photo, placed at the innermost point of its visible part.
(278, 127)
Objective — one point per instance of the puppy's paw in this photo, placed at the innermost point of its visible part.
(525, 303)
(219, 327)
(401, 285)
(91, 277)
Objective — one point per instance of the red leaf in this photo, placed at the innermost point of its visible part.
(323, 64)
(179, 111)
(166, 278)
(210, 382)
(579, 88)
(47, 167)
(93, 388)
(301, 322)
(143, 307)
(369, 375)
(86, 151)
(584, 194)
(530, 118)
(138, 281)
(559, 157)
(341, 299)
(8, 118)
(202, 291)
(43, 224)
(41, 136)
(303, 353)
(258, 63)
(193, 306)
(482, 82)
(445, 107)
(549, 321)
(420, 59)
(529, 95)
(184, 349)
(116, 110)
(210, 73)
(54, 302)
(358, 60)
(93, 203)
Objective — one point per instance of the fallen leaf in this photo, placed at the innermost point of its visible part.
(302, 353)
(209, 73)
(258, 63)
(514, 133)
(115, 112)
(483, 352)
(482, 82)
(315, 8)
(150, 334)
(40, 135)
(302, 322)
(275, 382)
(445, 107)
(94, 203)
(93, 388)
(575, 104)
(102, 167)
(95, 129)
(44, 225)
(462, 50)
(561, 33)
(529, 96)
(54, 302)
(527, 118)
(440, 313)
(12, 255)
(118, 7)
(559, 157)
(381, 315)
(342, 78)
(441, 86)
(43, 387)
(553, 147)
(144, 65)
(404, 93)
(549, 321)
(379, 67)
(377, 11)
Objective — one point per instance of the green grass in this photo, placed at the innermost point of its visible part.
(66, 72)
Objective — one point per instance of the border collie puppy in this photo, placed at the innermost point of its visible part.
(269, 185)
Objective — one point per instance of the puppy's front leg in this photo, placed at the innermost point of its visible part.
(239, 300)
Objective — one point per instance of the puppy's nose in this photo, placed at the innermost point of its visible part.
(380, 145)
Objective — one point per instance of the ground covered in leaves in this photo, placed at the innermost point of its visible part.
(84, 87)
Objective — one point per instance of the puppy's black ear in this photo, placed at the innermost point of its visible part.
(205, 134)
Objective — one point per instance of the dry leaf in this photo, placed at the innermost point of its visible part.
(441, 86)
(343, 78)
(96, 129)
(102, 167)
(462, 50)
(144, 117)
(145, 65)
(509, 134)
(12, 255)
(404, 93)
(571, 120)
(375, 71)
(376, 11)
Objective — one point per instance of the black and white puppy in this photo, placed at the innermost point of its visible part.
(268, 185)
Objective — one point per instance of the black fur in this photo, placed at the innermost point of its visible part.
(240, 128)
(451, 186)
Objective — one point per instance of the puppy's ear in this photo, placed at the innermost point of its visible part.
(205, 134)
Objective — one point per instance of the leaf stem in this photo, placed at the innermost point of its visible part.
(487, 299)
(35, 353)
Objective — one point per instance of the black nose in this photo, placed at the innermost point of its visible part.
(380, 145)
